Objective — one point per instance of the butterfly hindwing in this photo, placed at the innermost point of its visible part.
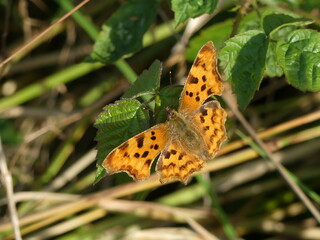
(175, 162)
(203, 80)
(210, 119)
(135, 156)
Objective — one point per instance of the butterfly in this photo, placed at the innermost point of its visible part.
(191, 136)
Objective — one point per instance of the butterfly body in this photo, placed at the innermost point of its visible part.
(183, 130)
(192, 135)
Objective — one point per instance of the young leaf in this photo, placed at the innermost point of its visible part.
(273, 22)
(117, 123)
(243, 60)
(184, 9)
(148, 81)
(122, 33)
(299, 56)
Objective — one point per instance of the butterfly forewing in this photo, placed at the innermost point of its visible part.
(203, 80)
(135, 156)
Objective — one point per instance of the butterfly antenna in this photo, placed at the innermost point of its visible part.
(170, 77)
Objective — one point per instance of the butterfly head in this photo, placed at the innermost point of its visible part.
(172, 114)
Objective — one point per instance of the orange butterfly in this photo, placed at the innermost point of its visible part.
(191, 136)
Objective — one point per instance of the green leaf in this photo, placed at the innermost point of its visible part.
(243, 60)
(117, 123)
(272, 67)
(9, 133)
(217, 33)
(273, 22)
(184, 9)
(168, 97)
(148, 81)
(122, 33)
(299, 56)
(309, 5)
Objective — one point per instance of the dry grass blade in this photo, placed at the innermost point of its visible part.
(59, 212)
(47, 30)
(42, 196)
(6, 180)
(71, 224)
(160, 212)
(73, 171)
(308, 118)
(231, 102)
(165, 233)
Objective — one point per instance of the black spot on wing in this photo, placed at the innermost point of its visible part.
(145, 154)
(193, 80)
(202, 120)
(197, 98)
(203, 87)
(204, 111)
(174, 152)
(209, 92)
(140, 140)
(181, 155)
(204, 78)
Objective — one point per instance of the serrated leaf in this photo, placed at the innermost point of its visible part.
(273, 22)
(117, 123)
(168, 97)
(299, 56)
(122, 33)
(184, 9)
(243, 60)
(272, 67)
(148, 81)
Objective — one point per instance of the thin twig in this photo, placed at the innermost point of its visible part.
(231, 102)
(43, 33)
(7, 182)
(241, 12)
